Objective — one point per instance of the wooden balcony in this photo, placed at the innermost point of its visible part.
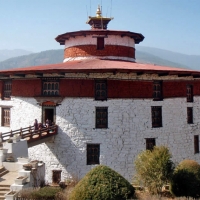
(33, 137)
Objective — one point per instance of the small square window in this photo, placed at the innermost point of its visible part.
(101, 117)
(100, 90)
(100, 43)
(150, 143)
(7, 88)
(189, 115)
(156, 112)
(50, 87)
(157, 91)
(93, 153)
(196, 144)
(5, 117)
(189, 93)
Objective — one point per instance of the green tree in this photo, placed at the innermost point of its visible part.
(186, 179)
(102, 183)
(154, 168)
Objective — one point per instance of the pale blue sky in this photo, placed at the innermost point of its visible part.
(167, 24)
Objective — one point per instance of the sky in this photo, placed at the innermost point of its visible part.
(166, 24)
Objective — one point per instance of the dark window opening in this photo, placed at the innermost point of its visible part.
(49, 113)
(5, 116)
(156, 112)
(196, 144)
(7, 88)
(100, 43)
(189, 93)
(100, 90)
(157, 91)
(150, 143)
(93, 153)
(189, 115)
(101, 117)
(50, 87)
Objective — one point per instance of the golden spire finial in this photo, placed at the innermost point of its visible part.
(98, 13)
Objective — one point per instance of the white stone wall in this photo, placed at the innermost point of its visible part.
(129, 123)
(110, 40)
(102, 57)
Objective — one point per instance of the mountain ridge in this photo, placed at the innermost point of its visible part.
(147, 55)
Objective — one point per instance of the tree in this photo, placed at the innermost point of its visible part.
(154, 168)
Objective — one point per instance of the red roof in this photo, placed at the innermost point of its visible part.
(100, 65)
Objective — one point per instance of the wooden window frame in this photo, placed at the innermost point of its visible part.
(50, 87)
(101, 121)
(7, 89)
(101, 87)
(5, 113)
(157, 91)
(150, 143)
(190, 93)
(156, 115)
(189, 115)
(100, 43)
(93, 154)
(196, 144)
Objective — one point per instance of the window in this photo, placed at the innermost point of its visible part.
(150, 143)
(7, 87)
(5, 116)
(100, 90)
(50, 87)
(100, 43)
(189, 115)
(93, 152)
(101, 117)
(189, 93)
(157, 90)
(196, 144)
(156, 112)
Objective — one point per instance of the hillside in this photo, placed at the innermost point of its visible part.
(192, 61)
(6, 54)
(34, 59)
(143, 55)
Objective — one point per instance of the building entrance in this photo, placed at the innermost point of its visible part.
(49, 113)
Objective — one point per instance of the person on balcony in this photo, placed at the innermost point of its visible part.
(35, 125)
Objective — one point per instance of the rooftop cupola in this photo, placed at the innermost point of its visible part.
(98, 22)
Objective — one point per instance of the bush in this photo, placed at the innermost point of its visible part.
(154, 168)
(102, 183)
(44, 193)
(186, 179)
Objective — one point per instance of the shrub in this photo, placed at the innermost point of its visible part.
(102, 183)
(186, 179)
(154, 168)
(44, 193)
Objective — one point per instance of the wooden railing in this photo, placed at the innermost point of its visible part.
(30, 134)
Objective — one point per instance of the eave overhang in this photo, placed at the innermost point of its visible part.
(138, 37)
(95, 66)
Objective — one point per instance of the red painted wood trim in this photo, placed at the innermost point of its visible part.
(116, 88)
(91, 50)
(76, 88)
(26, 88)
(1, 89)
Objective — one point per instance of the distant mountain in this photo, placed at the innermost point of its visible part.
(34, 59)
(6, 54)
(143, 57)
(143, 54)
(192, 61)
